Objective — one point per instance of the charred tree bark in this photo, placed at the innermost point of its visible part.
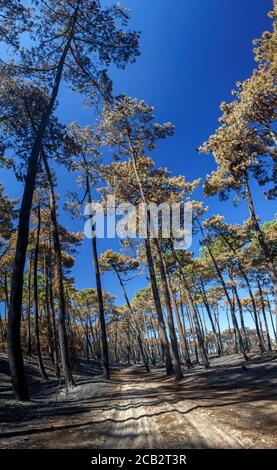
(48, 313)
(166, 295)
(104, 340)
(36, 299)
(58, 279)
(29, 339)
(182, 335)
(53, 318)
(157, 301)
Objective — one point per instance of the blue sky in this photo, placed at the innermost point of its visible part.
(192, 54)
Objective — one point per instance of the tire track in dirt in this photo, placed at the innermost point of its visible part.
(135, 424)
(140, 410)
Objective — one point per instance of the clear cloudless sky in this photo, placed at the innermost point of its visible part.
(192, 54)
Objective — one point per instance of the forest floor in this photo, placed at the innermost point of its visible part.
(224, 407)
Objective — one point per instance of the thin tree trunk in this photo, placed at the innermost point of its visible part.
(166, 295)
(206, 303)
(235, 291)
(244, 275)
(58, 279)
(220, 277)
(232, 310)
(53, 319)
(191, 324)
(36, 300)
(47, 312)
(104, 341)
(157, 301)
(264, 316)
(29, 340)
(182, 337)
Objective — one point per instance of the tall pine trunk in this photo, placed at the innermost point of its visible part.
(207, 307)
(182, 335)
(53, 316)
(166, 295)
(36, 300)
(161, 323)
(58, 278)
(104, 340)
(15, 311)
(271, 318)
(29, 339)
(47, 312)
(264, 316)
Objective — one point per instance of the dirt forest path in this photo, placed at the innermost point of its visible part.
(140, 410)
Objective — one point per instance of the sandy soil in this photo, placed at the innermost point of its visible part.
(225, 407)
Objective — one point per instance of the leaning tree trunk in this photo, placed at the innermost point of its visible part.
(36, 300)
(271, 318)
(237, 332)
(262, 242)
(233, 315)
(14, 321)
(244, 275)
(29, 339)
(264, 316)
(216, 318)
(2, 334)
(58, 278)
(104, 340)
(6, 291)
